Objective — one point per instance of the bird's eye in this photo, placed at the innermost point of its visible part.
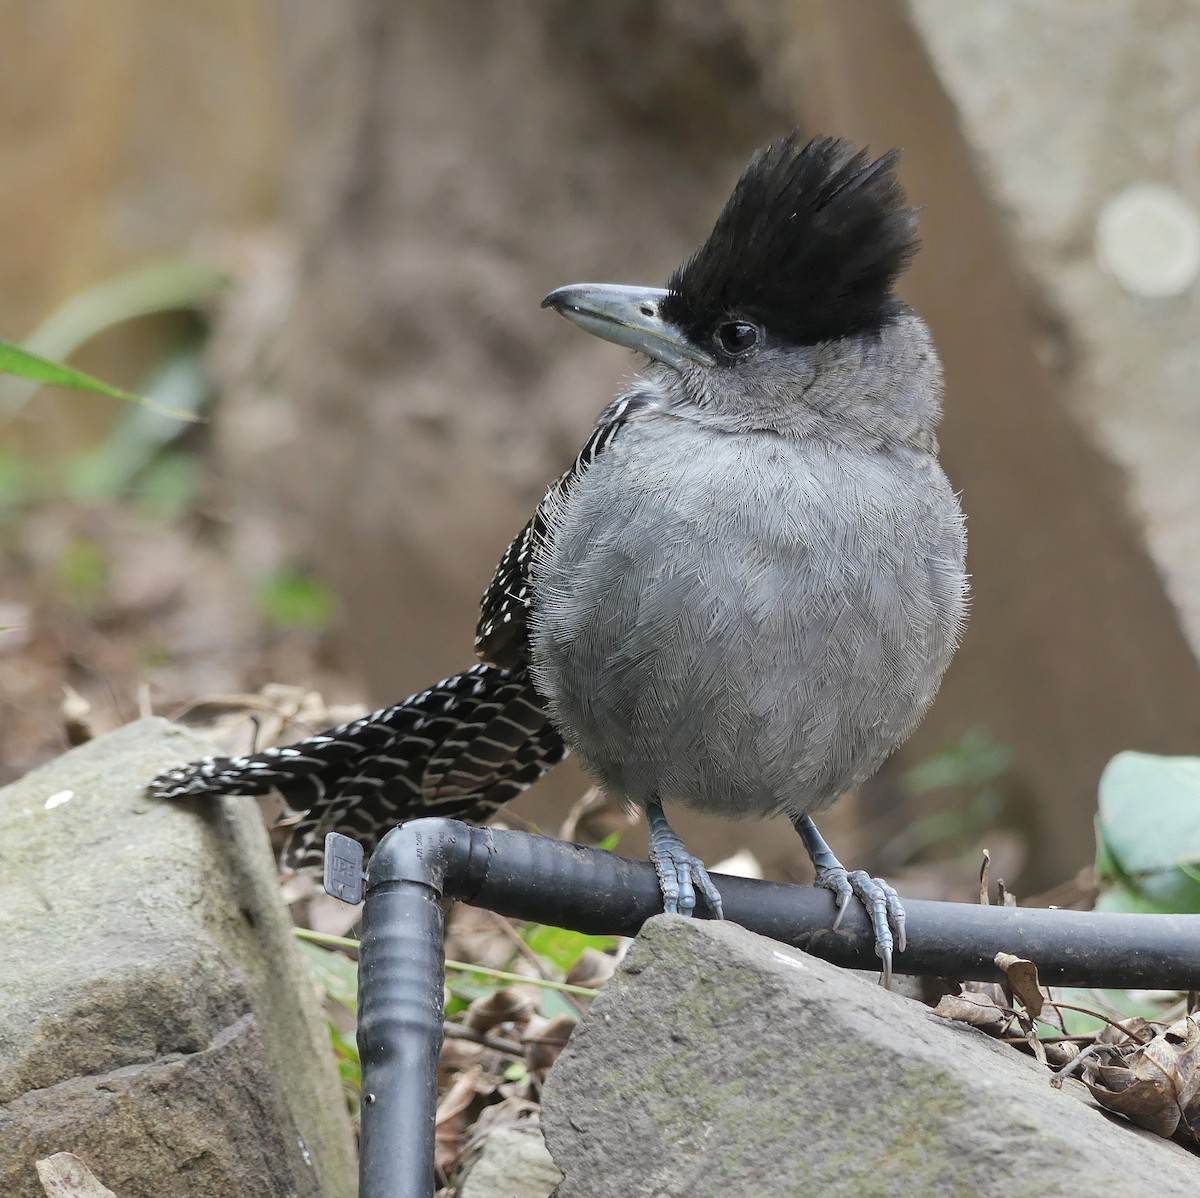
(737, 336)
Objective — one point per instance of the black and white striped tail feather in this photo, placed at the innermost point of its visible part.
(462, 748)
(465, 763)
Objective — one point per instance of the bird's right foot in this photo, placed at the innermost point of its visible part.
(680, 874)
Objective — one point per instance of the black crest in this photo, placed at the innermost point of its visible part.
(808, 245)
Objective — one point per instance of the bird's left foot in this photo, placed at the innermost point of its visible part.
(878, 898)
(680, 874)
(881, 902)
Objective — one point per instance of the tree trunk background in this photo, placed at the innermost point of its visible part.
(451, 163)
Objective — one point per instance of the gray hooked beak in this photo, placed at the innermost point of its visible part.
(629, 316)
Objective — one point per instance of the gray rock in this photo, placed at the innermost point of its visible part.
(155, 1018)
(1094, 157)
(513, 1162)
(719, 1063)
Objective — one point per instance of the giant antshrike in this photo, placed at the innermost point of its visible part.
(742, 595)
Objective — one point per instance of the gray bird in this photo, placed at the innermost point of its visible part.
(742, 595)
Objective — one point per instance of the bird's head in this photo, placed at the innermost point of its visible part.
(785, 319)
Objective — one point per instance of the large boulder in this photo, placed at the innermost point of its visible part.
(717, 1062)
(155, 1018)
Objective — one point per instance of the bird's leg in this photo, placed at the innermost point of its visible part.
(679, 873)
(882, 903)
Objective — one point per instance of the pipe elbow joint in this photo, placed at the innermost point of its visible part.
(442, 854)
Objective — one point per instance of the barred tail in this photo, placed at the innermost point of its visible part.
(462, 748)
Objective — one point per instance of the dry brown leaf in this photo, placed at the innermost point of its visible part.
(461, 1094)
(1182, 1040)
(76, 714)
(451, 1122)
(1032, 1039)
(993, 991)
(16, 627)
(1159, 1082)
(544, 1039)
(512, 1111)
(64, 1175)
(501, 1006)
(1062, 1053)
(1123, 1033)
(595, 816)
(505, 1113)
(593, 968)
(1022, 978)
(1189, 1125)
(979, 1010)
(275, 714)
(472, 936)
(458, 1055)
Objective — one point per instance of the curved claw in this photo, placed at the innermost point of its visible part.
(680, 874)
(880, 901)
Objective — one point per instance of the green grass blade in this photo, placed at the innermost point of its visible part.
(499, 975)
(32, 367)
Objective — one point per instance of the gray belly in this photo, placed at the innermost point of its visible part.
(742, 623)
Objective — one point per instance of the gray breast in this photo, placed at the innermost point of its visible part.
(745, 623)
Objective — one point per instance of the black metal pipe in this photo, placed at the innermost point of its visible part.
(588, 890)
(549, 881)
(401, 974)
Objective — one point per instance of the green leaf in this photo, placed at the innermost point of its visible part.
(21, 481)
(972, 761)
(1127, 900)
(131, 452)
(1116, 1004)
(1172, 891)
(168, 487)
(291, 599)
(563, 948)
(166, 285)
(554, 1005)
(334, 972)
(23, 364)
(456, 1004)
(1108, 868)
(1150, 812)
(84, 572)
(348, 1063)
(344, 1045)
(463, 990)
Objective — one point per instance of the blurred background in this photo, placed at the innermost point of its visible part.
(326, 229)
